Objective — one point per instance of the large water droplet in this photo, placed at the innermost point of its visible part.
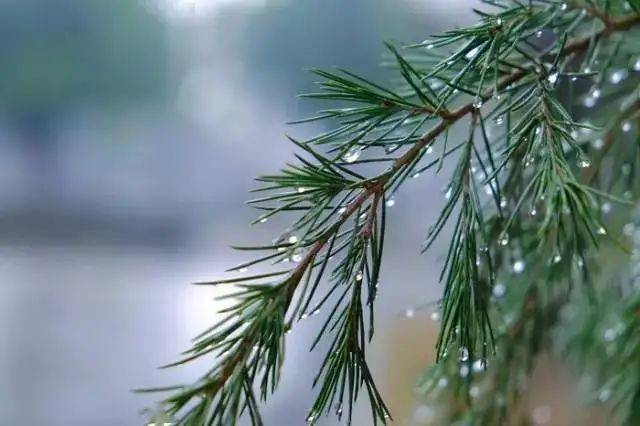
(499, 290)
(618, 76)
(518, 266)
(584, 162)
(352, 155)
(463, 354)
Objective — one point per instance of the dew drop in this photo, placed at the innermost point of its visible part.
(604, 395)
(443, 382)
(479, 365)
(563, 6)
(447, 194)
(463, 354)
(472, 53)
(301, 189)
(352, 155)
(601, 231)
(474, 391)
(409, 313)
(499, 120)
(296, 257)
(429, 149)
(416, 175)
(610, 335)
(518, 266)
(589, 102)
(584, 162)
(359, 276)
(618, 76)
(556, 258)
(435, 316)
(293, 239)
(499, 21)
(477, 104)
(595, 92)
(503, 240)
(598, 143)
(626, 126)
(390, 202)
(533, 212)
(499, 290)
(553, 78)
(263, 220)
(636, 64)
(606, 207)
(243, 269)
(464, 371)
(538, 33)
(342, 210)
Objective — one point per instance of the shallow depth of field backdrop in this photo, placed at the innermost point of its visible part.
(130, 131)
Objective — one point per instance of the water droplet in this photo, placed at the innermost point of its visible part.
(447, 194)
(263, 220)
(443, 382)
(342, 210)
(479, 365)
(243, 269)
(474, 391)
(463, 354)
(610, 335)
(636, 64)
(518, 266)
(464, 371)
(606, 207)
(416, 175)
(538, 130)
(352, 155)
(626, 126)
(538, 33)
(574, 78)
(293, 239)
(472, 53)
(598, 143)
(435, 316)
(409, 313)
(595, 92)
(429, 46)
(553, 78)
(429, 149)
(601, 231)
(563, 6)
(584, 162)
(617, 76)
(296, 257)
(541, 414)
(359, 276)
(390, 148)
(301, 189)
(499, 290)
(556, 258)
(589, 102)
(477, 104)
(315, 311)
(604, 395)
(311, 418)
(499, 120)
(503, 202)
(504, 239)
(533, 211)
(499, 21)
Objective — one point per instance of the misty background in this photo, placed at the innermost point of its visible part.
(130, 131)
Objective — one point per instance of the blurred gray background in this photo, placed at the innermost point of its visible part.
(130, 131)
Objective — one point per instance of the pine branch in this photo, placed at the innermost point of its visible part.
(341, 218)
